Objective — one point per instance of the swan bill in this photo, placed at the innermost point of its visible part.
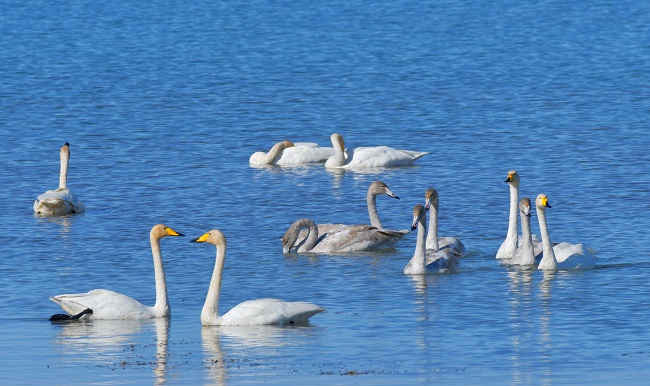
(172, 232)
(201, 239)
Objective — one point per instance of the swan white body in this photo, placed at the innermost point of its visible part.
(563, 255)
(251, 312)
(369, 157)
(435, 242)
(286, 153)
(525, 254)
(428, 261)
(107, 304)
(60, 201)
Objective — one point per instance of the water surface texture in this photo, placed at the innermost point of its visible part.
(163, 102)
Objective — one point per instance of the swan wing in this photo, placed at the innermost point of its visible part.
(573, 256)
(442, 261)
(453, 243)
(357, 238)
(301, 154)
(105, 304)
(58, 202)
(270, 311)
(381, 156)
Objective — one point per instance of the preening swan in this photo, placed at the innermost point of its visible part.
(563, 255)
(329, 238)
(251, 312)
(525, 255)
(428, 261)
(368, 157)
(60, 201)
(338, 238)
(287, 153)
(106, 304)
(435, 242)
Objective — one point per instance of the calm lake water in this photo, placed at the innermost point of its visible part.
(163, 102)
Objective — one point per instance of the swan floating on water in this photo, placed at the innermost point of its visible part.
(428, 261)
(435, 242)
(369, 157)
(105, 304)
(61, 201)
(563, 255)
(328, 238)
(251, 312)
(287, 153)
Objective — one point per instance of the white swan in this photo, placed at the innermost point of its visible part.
(338, 238)
(525, 254)
(428, 261)
(287, 153)
(251, 312)
(435, 242)
(60, 201)
(106, 304)
(368, 157)
(563, 255)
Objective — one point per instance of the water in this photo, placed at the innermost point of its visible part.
(163, 103)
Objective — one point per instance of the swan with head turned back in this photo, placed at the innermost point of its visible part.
(60, 201)
(435, 242)
(328, 238)
(428, 261)
(369, 157)
(563, 255)
(251, 312)
(525, 254)
(105, 304)
(287, 153)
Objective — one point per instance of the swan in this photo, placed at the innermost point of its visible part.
(435, 242)
(251, 312)
(60, 201)
(338, 238)
(563, 255)
(428, 261)
(287, 153)
(525, 254)
(105, 304)
(368, 157)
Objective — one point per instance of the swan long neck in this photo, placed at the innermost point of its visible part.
(161, 308)
(371, 199)
(63, 174)
(210, 312)
(275, 153)
(548, 256)
(432, 234)
(527, 241)
(512, 219)
(420, 255)
(312, 237)
(338, 158)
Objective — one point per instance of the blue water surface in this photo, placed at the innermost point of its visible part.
(163, 102)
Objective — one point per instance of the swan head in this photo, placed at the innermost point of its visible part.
(287, 143)
(524, 206)
(214, 237)
(513, 178)
(65, 151)
(431, 198)
(418, 212)
(159, 231)
(542, 202)
(337, 140)
(379, 187)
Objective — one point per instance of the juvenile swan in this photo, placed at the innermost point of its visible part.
(251, 312)
(428, 261)
(525, 255)
(435, 242)
(369, 157)
(563, 255)
(60, 201)
(105, 304)
(287, 153)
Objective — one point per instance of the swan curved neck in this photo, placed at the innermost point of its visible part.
(371, 199)
(432, 234)
(210, 311)
(312, 236)
(63, 174)
(338, 158)
(275, 153)
(161, 308)
(548, 255)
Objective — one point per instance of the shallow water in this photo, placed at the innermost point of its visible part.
(163, 105)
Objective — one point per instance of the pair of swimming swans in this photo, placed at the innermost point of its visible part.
(287, 153)
(424, 261)
(60, 201)
(340, 238)
(105, 304)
